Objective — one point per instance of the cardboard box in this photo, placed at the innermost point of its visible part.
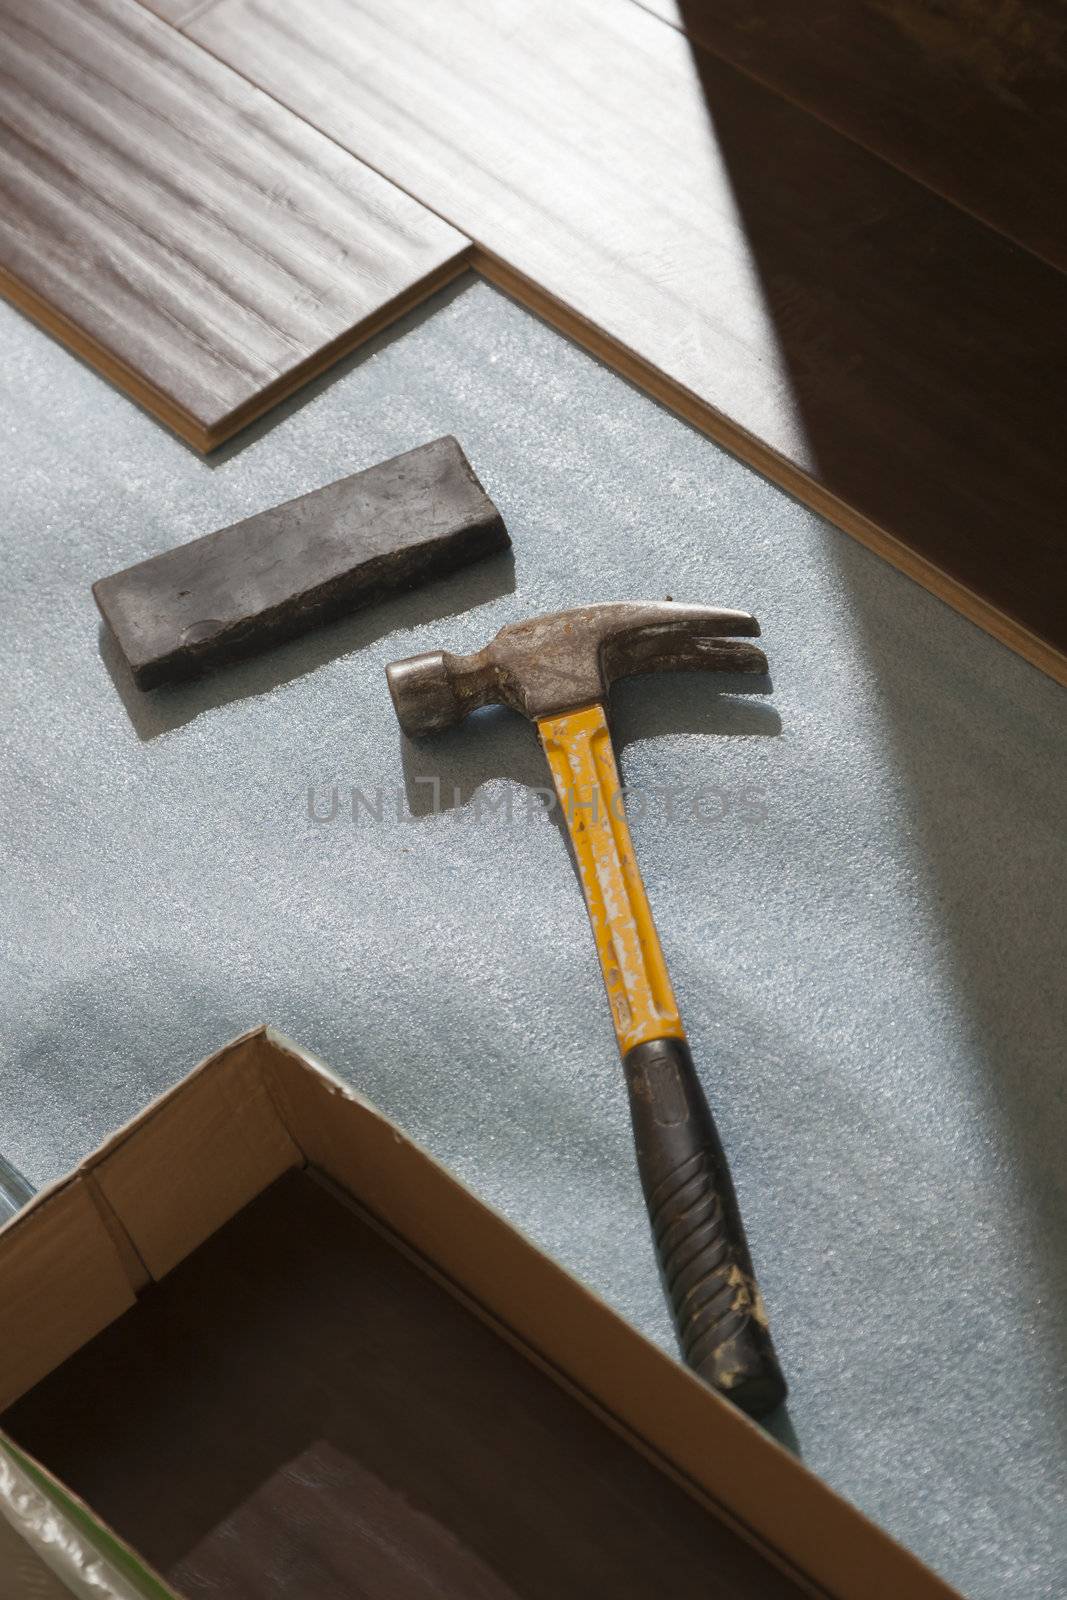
(636, 1431)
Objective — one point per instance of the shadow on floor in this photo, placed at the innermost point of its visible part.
(893, 338)
(841, 241)
(157, 711)
(446, 772)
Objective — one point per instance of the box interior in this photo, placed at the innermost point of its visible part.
(259, 1327)
(298, 1404)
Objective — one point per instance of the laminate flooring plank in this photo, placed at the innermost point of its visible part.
(867, 344)
(190, 237)
(967, 98)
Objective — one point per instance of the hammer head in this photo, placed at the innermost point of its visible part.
(569, 659)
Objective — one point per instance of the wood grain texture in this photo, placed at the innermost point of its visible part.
(195, 241)
(314, 1417)
(966, 97)
(866, 344)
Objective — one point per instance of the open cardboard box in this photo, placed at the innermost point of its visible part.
(279, 1350)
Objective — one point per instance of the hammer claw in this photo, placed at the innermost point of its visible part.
(570, 659)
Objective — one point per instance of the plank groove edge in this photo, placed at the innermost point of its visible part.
(179, 13)
(776, 468)
(160, 406)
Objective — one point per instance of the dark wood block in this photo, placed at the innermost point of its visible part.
(297, 1410)
(278, 573)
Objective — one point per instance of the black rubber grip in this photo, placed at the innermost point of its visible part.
(703, 1255)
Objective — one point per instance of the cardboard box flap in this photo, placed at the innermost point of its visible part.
(199, 1154)
(61, 1281)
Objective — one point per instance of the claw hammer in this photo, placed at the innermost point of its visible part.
(558, 670)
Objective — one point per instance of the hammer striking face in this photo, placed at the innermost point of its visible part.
(558, 671)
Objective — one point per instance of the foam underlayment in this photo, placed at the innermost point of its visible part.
(858, 881)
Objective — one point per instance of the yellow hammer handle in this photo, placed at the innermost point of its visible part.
(696, 1224)
(578, 747)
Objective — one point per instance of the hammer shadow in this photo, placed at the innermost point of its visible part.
(780, 1427)
(156, 711)
(446, 772)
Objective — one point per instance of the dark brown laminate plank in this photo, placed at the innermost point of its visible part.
(868, 345)
(969, 99)
(298, 1410)
(199, 243)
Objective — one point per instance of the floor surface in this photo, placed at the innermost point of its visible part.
(865, 919)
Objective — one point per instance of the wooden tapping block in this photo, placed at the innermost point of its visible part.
(273, 575)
